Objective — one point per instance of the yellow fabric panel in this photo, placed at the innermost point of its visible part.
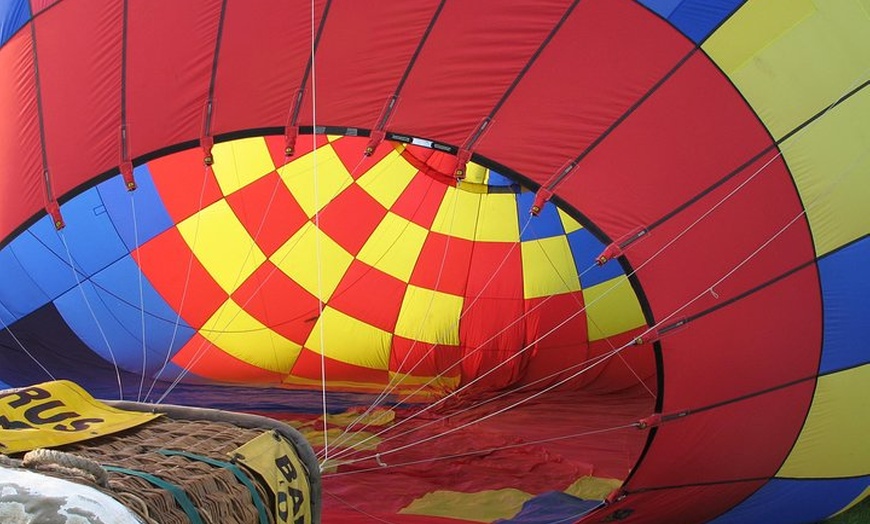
(387, 179)
(350, 340)
(548, 267)
(830, 162)
(476, 174)
(222, 245)
(793, 58)
(497, 220)
(612, 308)
(233, 330)
(315, 188)
(593, 488)
(484, 506)
(298, 259)
(833, 442)
(457, 215)
(239, 162)
(394, 246)
(429, 316)
(568, 223)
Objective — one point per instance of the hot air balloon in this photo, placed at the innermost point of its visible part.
(557, 261)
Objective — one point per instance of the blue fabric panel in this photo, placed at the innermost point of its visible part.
(151, 216)
(663, 7)
(698, 18)
(13, 15)
(19, 294)
(51, 345)
(797, 501)
(586, 248)
(36, 250)
(4, 385)
(546, 224)
(113, 296)
(553, 506)
(497, 179)
(845, 292)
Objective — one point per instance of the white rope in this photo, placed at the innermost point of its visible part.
(93, 315)
(141, 298)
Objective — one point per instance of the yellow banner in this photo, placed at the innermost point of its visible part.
(277, 462)
(57, 413)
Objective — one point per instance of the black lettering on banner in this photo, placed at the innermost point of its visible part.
(26, 395)
(5, 423)
(34, 414)
(289, 493)
(78, 424)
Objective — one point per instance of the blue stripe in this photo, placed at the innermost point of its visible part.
(19, 293)
(113, 296)
(13, 15)
(36, 252)
(783, 500)
(546, 224)
(586, 248)
(151, 215)
(845, 291)
(694, 18)
(553, 506)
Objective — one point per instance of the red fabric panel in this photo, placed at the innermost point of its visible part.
(20, 148)
(561, 349)
(364, 52)
(688, 505)
(264, 49)
(750, 345)
(37, 6)
(751, 440)
(605, 57)
(495, 271)
(350, 150)
(420, 201)
(492, 331)
(633, 367)
(79, 49)
(278, 302)
(184, 184)
(304, 145)
(443, 264)
(370, 295)
(470, 59)
(263, 204)
(351, 217)
(308, 366)
(173, 270)
(423, 359)
(170, 55)
(204, 359)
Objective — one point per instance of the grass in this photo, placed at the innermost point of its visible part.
(860, 514)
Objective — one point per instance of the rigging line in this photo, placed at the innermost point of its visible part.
(8, 329)
(604, 358)
(184, 289)
(320, 319)
(141, 298)
(390, 386)
(93, 315)
(472, 353)
(593, 361)
(484, 451)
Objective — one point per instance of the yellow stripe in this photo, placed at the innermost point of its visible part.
(612, 308)
(568, 223)
(387, 179)
(548, 267)
(793, 58)
(233, 330)
(314, 192)
(298, 259)
(483, 506)
(833, 442)
(350, 340)
(222, 245)
(240, 162)
(429, 316)
(394, 246)
(830, 162)
(497, 221)
(457, 215)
